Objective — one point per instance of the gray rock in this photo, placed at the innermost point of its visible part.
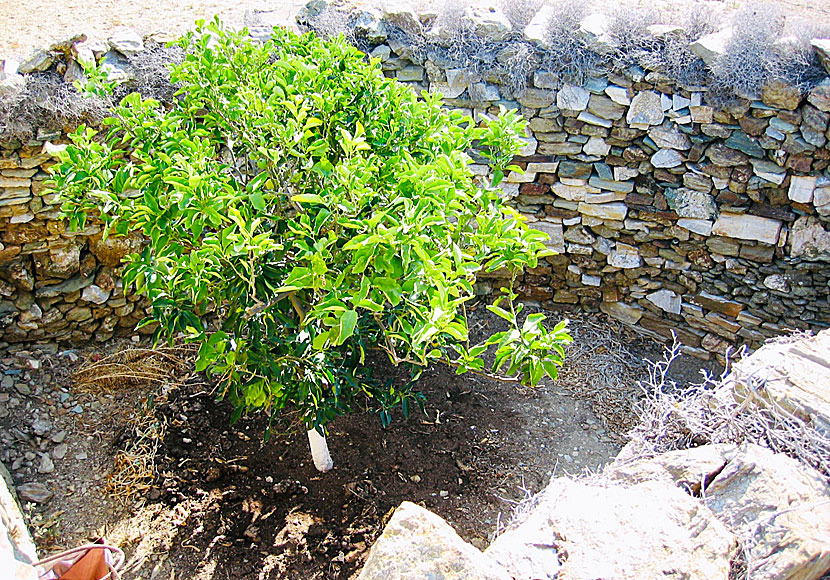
(593, 30)
(698, 226)
(711, 47)
(535, 98)
(126, 41)
(769, 171)
(690, 203)
(417, 544)
(747, 227)
(619, 95)
(777, 282)
(538, 29)
(572, 98)
(625, 313)
(34, 492)
(40, 60)
(740, 141)
(95, 294)
(556, 240)
(622, 535)
(369, 24)
(46, 464)
(782, 505)
(821, 46)
(809, 239)
(489, 22)
(669, 138)
(646, 110)
(666, 300)
(667, 158)
(605, 108)
(625, 257)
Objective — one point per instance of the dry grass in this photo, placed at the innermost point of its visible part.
(601, 368)
(134, 467)
(134, 367)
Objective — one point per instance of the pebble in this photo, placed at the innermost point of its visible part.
(46, 464)
(34, 492)
(23, 389)
(444, 494)
(415, 478)
(59, 436)
(78, 409)
(59, 452)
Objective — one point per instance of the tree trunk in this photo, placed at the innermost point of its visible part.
(319, 451)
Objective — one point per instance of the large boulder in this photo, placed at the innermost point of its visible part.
(417, 544)
(583, 531)
(778, 507)
(789, 374)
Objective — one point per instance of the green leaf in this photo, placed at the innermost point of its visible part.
(307, 198)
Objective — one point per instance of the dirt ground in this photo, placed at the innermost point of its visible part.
(213, 501)
(25, 26)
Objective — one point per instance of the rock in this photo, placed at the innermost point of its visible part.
(747, 227)
(625, 313)
(769, 171)
(535, 98)
(593, 30)
(777, 282)
(46, 464)
(802, 188)
(368, 24)
(646, 110)
(619, 95)
(611, 185)
(574, 170)
(794, 375)
(538, 29)
(111, 251)
(666, 300)
(40, 60)
(718, 304)
(489, 22)
(739, 140)
(605, 108)
(556, 241)
(821, 46)
(669, 138)
(126, 41)
(819, 96)
(711, 47)
(572, 98)
(690, 203)
(418, 544)
(777, 93)
(780, 507)
(624, 535)
(34, 492)
(698, 226)
(666, 158)
(809, 239)
(625, 257)
(615, 211)
(596, 147)
(95, 294)
(724, 156)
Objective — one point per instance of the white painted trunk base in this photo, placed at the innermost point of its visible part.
(319, 451)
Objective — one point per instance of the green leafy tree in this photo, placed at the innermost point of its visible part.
(301, 209)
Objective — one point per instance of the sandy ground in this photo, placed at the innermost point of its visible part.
(26, 25)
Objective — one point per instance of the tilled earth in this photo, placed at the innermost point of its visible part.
(194, 497)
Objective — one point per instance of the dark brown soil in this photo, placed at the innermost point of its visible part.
(225, 504)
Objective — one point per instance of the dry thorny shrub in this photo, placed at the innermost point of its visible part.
(673, 417)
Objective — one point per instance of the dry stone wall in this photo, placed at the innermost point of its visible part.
(668, 213)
